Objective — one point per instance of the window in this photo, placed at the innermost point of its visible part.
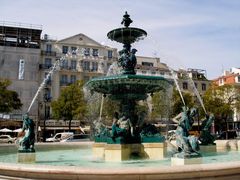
(153, 72)
(48, 62)
(95, 52)
(74, 64)
(147, 64)
(64, 64)
(238, 78)
(65, 49)
(86, 65)
(74, 50)
(64, 78)
(110, 54)
(87, 51)
(144, 72)
(204, 88)
(162, 73)
(94, 66)
(48, 47)
(73, 78)
(185, 85)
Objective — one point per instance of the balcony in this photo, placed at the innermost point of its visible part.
(48, 53)
(70, 68)
(60, 123)
(65, 83)
(45, 66)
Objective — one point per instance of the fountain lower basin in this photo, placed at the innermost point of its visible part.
(74, 161)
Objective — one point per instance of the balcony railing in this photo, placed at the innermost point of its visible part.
(64, 83)
(48, 53)
(60, 123)
(45, 66)
(72, 68)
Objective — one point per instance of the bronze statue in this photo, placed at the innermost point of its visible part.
(26, 144)
(206, 137)
(187, 145)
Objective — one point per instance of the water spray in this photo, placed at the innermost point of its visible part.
(52, 70)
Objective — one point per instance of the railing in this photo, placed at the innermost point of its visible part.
(48, 53)
(65, 83)
(45, 66)
(21, 25)
(57, 123)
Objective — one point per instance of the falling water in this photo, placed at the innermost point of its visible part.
(196, 93)
(101, 108)
(114, 69)
(177, 85)
(52, 69)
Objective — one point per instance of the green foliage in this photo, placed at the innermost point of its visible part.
(161, 106)
(220, 100)
(9, 100)
(177, 101)
(70, 104)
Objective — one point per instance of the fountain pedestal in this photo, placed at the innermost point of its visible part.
(176, 161)
(122, 152)
(98, 150)
(117, 152)
(26, 157)
(155, 151)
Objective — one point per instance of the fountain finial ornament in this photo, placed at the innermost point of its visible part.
(126, 20)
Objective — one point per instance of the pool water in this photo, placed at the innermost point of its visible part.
(83, 157)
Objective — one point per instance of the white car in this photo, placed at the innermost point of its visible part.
(6, 139)
(59, 136)
(77, 138)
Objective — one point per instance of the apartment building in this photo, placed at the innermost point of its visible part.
(84, 59)
(19, 61)
(231, 77)
(186, 78)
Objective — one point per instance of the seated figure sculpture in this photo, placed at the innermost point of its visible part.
(187, 145)
(206, 137)
(121, 128)
(26, 144)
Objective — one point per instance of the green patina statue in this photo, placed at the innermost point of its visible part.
(206, 137)
(26, 144)
(187, 145)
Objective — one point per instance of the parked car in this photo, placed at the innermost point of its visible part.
(6, 139)
(59, 136)
(77, 138)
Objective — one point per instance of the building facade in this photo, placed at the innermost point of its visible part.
(19, 59)
(231, 77)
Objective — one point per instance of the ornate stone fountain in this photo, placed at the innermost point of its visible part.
(128, 88)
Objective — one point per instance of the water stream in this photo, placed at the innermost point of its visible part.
(177, 85)
(196, 92)
(50, 73)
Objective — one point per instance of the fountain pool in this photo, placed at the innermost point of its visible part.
(75, 161)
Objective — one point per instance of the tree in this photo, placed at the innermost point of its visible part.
(221, 101)
(178, 103)
(9, 99)
(70, 104)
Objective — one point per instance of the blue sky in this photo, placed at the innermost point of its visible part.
(183, 33)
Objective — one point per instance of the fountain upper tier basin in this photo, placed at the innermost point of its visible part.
(127, 35)
(128, 86)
